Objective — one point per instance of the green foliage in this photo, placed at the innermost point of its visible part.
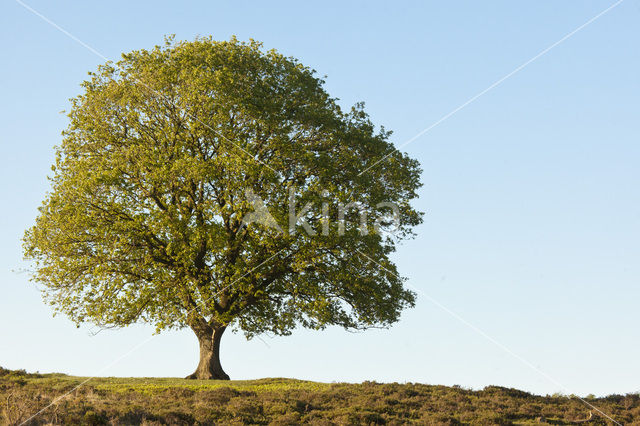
(144, 219)
(287, 402)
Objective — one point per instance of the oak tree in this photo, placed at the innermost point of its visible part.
(165, 156)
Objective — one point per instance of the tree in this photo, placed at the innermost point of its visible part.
(163, 160)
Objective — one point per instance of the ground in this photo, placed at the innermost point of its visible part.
(160, 401)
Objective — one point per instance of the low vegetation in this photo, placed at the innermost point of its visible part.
(165, 401)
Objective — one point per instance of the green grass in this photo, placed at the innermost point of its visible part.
(154, 384)
(278, 401)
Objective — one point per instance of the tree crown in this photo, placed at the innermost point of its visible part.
(153, 181)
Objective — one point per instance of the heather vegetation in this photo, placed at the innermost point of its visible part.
(167, 401)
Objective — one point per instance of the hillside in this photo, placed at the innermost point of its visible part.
(159, 401)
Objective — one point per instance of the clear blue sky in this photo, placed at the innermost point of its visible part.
(532, 231)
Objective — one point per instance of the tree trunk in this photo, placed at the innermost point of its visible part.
(209, 366)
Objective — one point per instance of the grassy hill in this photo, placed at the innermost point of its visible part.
(159, 401)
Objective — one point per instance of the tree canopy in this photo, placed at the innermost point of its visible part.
(154, 177)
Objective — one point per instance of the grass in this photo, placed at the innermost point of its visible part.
(278, 401)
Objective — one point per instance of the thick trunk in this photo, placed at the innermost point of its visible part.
(209, 366)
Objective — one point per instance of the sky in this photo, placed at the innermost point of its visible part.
(526, 266)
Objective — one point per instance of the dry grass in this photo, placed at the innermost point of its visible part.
(153, 401)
